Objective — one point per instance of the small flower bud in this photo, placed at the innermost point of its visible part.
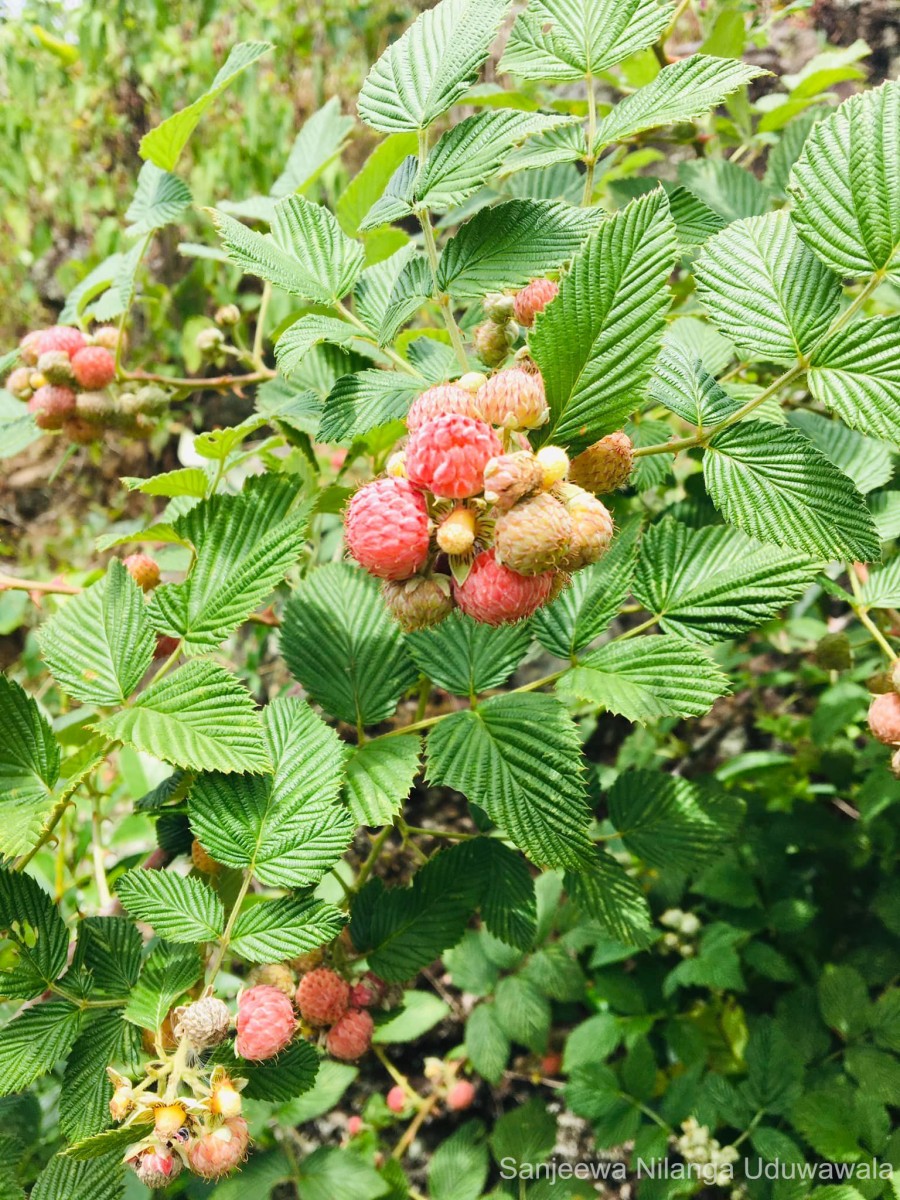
(228, 314)
(554, 464)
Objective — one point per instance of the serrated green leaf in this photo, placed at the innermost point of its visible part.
(765, 289)
(508, 902)
(166, 975)
(279, 1079)
(776, 486)
(306, 254)
(29, 768)
(379, 777)
(846, 204)
(185, 481)
(727, 188)
(376, 284)
(109, 1143)
(159, 200)
(469, 153)
(487, 1046)
(430, 66)
(421, 1011)
(37, 936)
(86, 1091)
(844, 1000)
(869, 463)
(370, 182)
(523, 1013)
(716, 583)
(857, 373)
(564, 40)
(104, 1176)
(244, 546)
(101, 643)
(396, 201)
(682, 383)
(34, 1041)
(180, 908)
(592, 599)
(595, 343)
(526, 1134)
(109, 949)
(605, 893)
(466, 657)
(458, 1169)
(298, 339)
(275, 930)
(218, 444)
(199, 717)
(882, 588)
(362, 402)
(318, 144)
(288, 830)
(512, 243)
(681, 91)
(647, 678)
(410, 927)
(17, 427)
(164, 144)
(662, 819)
(340, 643)
(411, 290)
(518, 758)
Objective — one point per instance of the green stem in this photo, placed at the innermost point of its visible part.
(260, 331)
(366, 869)
(758, 1116)
(367, 335)
(56, 815)
(225, 939)
(97, 854)
(590, 159)
(862, 612)
(452, 834)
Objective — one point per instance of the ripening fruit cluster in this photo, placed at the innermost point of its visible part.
(884, 713)
(64, 377)
(468, 516)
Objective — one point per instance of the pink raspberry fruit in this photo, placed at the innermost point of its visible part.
(265, 1023)
(592, 526)
(218, 1151)
(396, 1099)
(495, 595)
(19, 383)
(514, 399)
(351, 1037)
(157, 1168)
(437, 402)
(322, 997)
(59, 337)
(51, 405)
(447, 455)
(534, 299)
(354, 1126)
(93, 367)
(143, 570)
(386, 527)
(460, 1095)
(884, 718)
(28, 348)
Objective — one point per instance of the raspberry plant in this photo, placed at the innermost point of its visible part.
(646, 416)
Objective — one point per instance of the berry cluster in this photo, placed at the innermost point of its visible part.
(469, 516)
(325, 999)
(64, 378)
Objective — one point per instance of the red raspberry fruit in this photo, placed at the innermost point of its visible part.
(534, 299)
(419, 602)
(386, 527)
(437, 402)
(495, 595)
(94, 368)
(460, 1095)
(156, 1167)
(396, 1099)
(605, 465)
(884, 718)
(218, 1151)
(60, 337)
(354, 1125)
(447, 455)
(322, 997)
(51, 405)
(351, 1037)
(265, 1023)
(533, 536)
(143, 570)
(514, 399)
